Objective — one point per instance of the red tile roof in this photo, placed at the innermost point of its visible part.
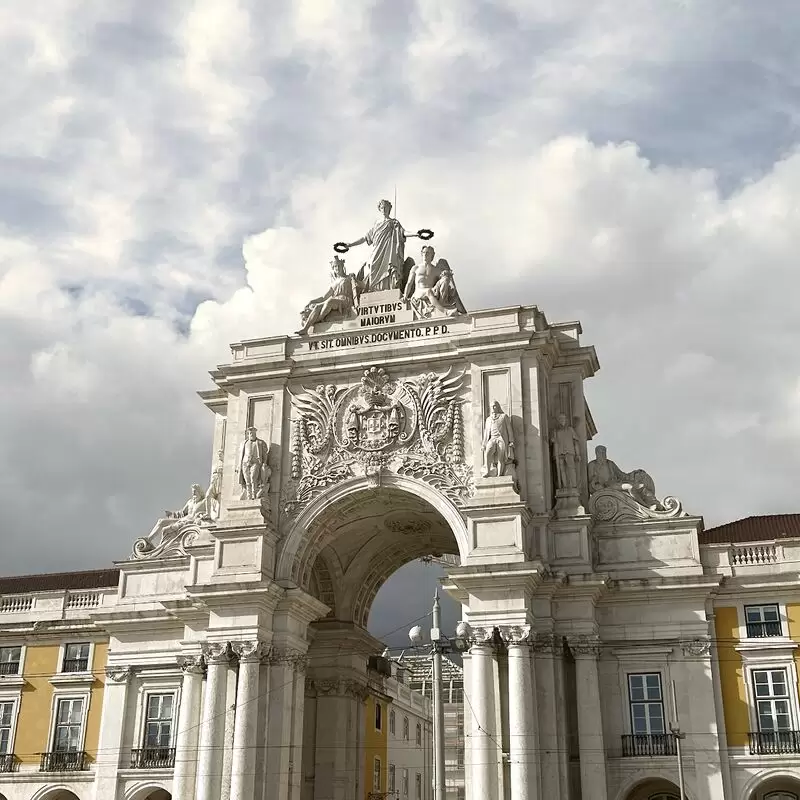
(754, 529)
(53, 581)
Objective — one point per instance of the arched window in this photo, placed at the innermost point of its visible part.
(405, 728)
(392, 717)
(781, 795)
(663, 796)
(419, 734)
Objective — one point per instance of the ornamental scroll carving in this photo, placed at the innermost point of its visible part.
(413, 427)
(119, 674)
(696, 647)
(168, 539)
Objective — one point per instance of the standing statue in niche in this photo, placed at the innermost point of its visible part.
(254, 472)
(341, 298)
(566, 452)
(386, 238)
(431, 288)
(214, 493)
(605, 474)
(498, 442)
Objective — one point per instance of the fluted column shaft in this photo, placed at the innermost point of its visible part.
(245, 733)
(212, 728)
(484, 768)
(590, 720)
(183, 787)
(522, 739)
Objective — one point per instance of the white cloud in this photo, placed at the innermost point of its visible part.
(161, 161)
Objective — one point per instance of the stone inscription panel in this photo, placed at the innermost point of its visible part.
(351, 340)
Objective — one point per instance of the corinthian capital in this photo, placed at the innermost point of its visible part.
(193, 665)
(217, 652)
(515, 634)
(583, 645)
(248, 651)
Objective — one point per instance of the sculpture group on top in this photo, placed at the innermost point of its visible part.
(429, 288)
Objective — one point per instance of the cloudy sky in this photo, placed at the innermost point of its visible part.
(173, 175)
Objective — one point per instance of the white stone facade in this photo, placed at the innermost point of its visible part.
(253, 613)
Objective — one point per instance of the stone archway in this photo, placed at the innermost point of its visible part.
(773, 785)
(55, 793)
(147, 792)
(651, 788)
(361, 534)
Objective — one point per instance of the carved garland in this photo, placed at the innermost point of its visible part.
(414, 427)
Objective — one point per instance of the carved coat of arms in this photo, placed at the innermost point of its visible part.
(413, 426)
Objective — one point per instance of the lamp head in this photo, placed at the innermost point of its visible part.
(416, 635)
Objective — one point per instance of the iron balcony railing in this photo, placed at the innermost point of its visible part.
(153, 758)
(765, 743)
(9, 667)
(8, 762)
(648, 744)
(761, 630)
(75, 665)
(63, 761)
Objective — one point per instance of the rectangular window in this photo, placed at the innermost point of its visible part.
(391, 776)
(647, 704)
(392, 717)
(418, 786)
(405, 782)
(76, 658)
(405, 728)
(376, 775)
(771, 690)
(763, 621)
(69, 722)
(9, 660)
(6, 716)
(419, 735)
(158, 720)
(378, 716)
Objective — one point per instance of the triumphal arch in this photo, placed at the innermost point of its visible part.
(396, 424)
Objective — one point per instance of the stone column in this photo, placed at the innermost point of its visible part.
(586, 650)
(550, 707)
(212, 728)
(522, 745)
(245, 733)
(483, 749)
(183, 785)
(112, 728)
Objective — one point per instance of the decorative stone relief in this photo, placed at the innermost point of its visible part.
(696, 647)
(497, 442)
(119, 674)
(333, 687)
(431, 288)
(617, 496)
(547, 643)
(413, 427)
(340, 301)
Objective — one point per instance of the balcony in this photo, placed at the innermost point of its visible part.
(75, 665)
(9, 668)
(767, 743)
(153, 758)
(648, 744)
(8, 762)
(761, 630)
(67, 761)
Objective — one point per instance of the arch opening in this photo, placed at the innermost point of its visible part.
(654, 789)
(776, 787)
(147, 792)
(58, 794)
(355, 544)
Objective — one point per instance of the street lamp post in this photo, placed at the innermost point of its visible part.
(439, 645)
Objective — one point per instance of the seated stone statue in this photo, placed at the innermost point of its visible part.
(194, 510)
(605, 474)
(431, 287)
(342, 297)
